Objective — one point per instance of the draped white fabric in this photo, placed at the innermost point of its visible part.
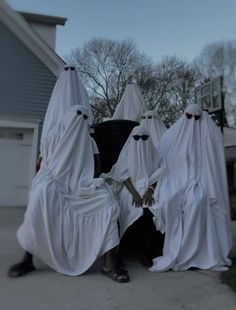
(67, 89)
(95, 147)
(138, 161)
(131, 105)
(192, 197)
(71, 218)
(152, 121)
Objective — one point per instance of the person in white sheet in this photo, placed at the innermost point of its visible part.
(71, 218)
(137, 172)
(193, 205)
(131, 105)
(152, 121)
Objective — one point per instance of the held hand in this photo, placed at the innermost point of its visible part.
(137, 200)
(148, 197)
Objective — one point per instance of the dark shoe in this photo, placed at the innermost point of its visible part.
(146, 261)
(20, 269)
(116, 274)
(121, 265)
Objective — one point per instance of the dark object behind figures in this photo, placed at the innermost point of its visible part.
(110, 137)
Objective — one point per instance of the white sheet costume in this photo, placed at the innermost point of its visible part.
(131, 105)
(138, 160)
(152, 121)
(193, 195)
(71, 218)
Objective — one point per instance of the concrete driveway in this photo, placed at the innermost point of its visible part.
(45, 289)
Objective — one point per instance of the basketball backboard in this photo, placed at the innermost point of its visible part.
(209, 95)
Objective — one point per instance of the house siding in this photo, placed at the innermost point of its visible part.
(26, 83)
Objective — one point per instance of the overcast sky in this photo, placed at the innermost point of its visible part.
(159, 27)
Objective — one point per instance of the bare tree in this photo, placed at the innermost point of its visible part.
(106, 66)
(170, 87)
(182, 89)
(211, 60)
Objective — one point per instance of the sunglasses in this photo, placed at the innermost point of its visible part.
(196, 117)
(143, 137)
(69, 68)
(80, 113)
(149, 117)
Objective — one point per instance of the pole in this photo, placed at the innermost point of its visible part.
(222, 112)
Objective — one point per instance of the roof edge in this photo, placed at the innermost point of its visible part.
(21, 28)
(44, 19)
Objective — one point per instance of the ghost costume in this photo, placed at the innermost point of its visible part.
(71, 218)
(131, 105)
(152, 121)
(138, 161)
(192, 197)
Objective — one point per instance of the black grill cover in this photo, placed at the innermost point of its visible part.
(110, 137)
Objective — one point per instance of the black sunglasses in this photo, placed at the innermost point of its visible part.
(143, 137)
(84, 116)
(196, 117)
(149, 117)
(69, 68)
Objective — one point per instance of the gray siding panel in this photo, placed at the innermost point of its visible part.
(26, 83)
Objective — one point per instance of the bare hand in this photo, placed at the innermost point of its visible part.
(137, 200)
(148, 197)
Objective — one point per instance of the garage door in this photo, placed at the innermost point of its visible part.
(15, 165)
